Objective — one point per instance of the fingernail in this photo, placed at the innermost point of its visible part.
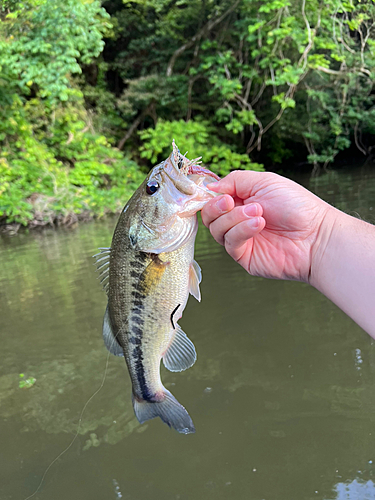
(251, 210)
(253, 223)
(222, 204)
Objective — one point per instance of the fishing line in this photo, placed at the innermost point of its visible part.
(78, 429)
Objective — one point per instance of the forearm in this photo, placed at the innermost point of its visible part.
(343, 266)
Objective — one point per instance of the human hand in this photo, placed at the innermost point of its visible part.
(267, 223)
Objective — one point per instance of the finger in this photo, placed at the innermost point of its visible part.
(238, 183)
(226, 222)
(237, 238)
(216, 207)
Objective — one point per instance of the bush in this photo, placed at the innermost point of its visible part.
(56, 168)
(198, 139)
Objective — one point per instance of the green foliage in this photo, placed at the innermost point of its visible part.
(238, 82)
(305, 64)
(26, 383)
(198, 140)
(254, 71)
(43, 42)
(70, 170)
(54, 166)
(159, 96)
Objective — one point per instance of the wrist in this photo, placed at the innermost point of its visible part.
(343, 266)
(326, 245)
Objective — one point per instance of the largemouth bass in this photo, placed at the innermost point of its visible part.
(148, 273)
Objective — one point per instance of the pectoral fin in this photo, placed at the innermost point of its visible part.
(195, 277)
(110, 340)
(180, 354)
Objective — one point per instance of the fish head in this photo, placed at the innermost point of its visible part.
(167, 203)
(183, 184)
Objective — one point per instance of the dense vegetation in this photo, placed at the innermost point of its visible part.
(92, 94)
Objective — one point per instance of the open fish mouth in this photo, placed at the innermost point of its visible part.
(200, 170)
(189, 167)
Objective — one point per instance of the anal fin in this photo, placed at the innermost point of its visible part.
(110, 340)
(180, 354)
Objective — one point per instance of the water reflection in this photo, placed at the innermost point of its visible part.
(282, 394)
(355, 490)
(352, 191)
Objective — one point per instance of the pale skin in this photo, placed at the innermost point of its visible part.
(275, 228)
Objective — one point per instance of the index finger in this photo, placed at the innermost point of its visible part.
(241, 183)
(216, 207)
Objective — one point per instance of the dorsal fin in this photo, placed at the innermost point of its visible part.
(102, 266)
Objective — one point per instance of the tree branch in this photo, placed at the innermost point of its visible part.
(133, 126)
(206, 28)
(330, 71)
(190, 90)
(362, 150)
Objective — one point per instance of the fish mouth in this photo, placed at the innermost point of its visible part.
(200, 170)
(189, 167)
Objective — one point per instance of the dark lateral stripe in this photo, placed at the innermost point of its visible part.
(137, 331)
(140, 371)
(137, 268)
(137, 354)
(138, 365)
(139, 304)
(174, 310)
(138, 320)
(142, 256)
(136, 264)
(135, 341)
(137, 310)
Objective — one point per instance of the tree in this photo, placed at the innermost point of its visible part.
(301, 69)
(53, 164)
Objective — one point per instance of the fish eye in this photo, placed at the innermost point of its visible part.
(152, 187)
(180, 163)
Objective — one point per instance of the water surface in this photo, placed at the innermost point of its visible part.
(282, 394)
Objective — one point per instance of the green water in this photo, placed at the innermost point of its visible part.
(282, 394)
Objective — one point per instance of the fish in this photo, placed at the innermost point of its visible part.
(148, 273)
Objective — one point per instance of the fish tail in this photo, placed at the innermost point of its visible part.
(168, 409)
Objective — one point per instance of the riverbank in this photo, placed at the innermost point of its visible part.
(48, 218)
(358, 180)
(56, 190)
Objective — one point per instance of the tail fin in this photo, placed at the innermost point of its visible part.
(169, 410)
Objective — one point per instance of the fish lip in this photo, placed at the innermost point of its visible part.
(200, 170)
